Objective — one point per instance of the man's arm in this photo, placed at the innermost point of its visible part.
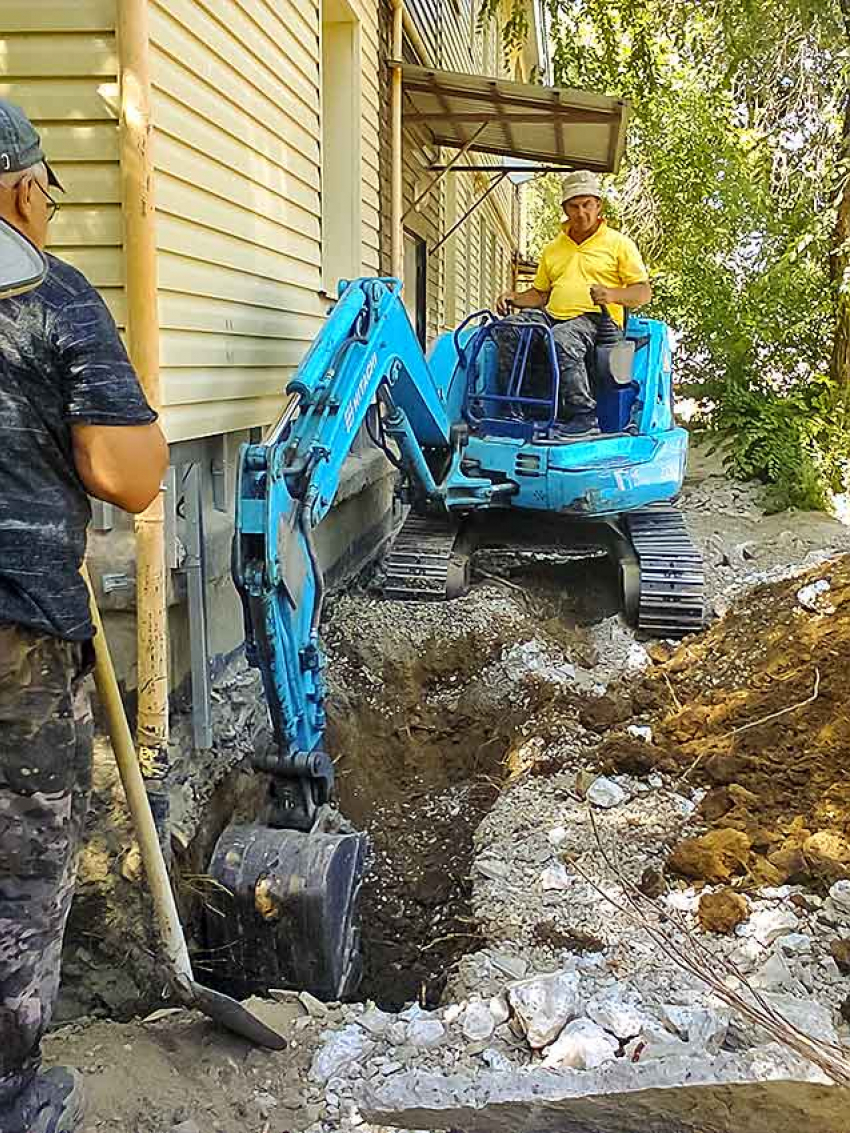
(121, 464)
(636, 295)
(531, 299)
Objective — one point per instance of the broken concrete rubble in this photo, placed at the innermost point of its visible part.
(764, 1092)
(544, 1004)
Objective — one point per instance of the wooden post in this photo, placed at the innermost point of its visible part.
(137, 193)
(396, 228)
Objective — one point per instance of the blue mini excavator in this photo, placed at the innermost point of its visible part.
(478, 453)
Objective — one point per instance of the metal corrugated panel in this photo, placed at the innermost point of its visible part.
(60, 65)
(517, 119)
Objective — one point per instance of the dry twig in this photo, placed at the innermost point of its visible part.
(711, 969)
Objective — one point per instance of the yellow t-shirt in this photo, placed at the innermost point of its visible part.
(568, 270)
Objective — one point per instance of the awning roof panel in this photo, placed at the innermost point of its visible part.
(555, 125)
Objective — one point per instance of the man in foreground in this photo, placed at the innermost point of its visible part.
(73, 422)
(586, 266)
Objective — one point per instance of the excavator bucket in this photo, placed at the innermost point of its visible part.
(288, 911)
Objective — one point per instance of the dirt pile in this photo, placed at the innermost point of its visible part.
(757, 711)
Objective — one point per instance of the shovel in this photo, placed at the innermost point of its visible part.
(216, 1006)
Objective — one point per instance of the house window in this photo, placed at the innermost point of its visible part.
(415, 291)
(342, 194)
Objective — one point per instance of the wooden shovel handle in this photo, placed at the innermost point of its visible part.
(137, 800)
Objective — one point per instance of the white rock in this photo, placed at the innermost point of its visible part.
(374, 1021)
(495, 1059)
(613, 1014)
(747, 955)
(640, 732)
(582, 1045)
(655, 780)
(343, 1047)
(557, 835)
(396, 1033)
(829, 969)
(478, 1021)
(839, 894)
(682, 900)
(425, 1033)
(655, 1042)
(492, 869)
(768, 924)
(813, 1019)
(555, 877)
(545, 1004)
(795, 944)
(701, 1027)
(499, 1009)
(605, 793)
(775, 975)
(813, 597)
(637, 658)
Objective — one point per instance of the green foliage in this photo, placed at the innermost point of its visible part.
(736, 166)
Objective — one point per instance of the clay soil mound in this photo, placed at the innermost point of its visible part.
(757, 710)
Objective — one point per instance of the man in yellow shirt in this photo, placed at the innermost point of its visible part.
(587, 265)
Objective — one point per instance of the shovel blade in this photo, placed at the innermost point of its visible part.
(235, 1017)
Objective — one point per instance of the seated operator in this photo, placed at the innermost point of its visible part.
(587, 265)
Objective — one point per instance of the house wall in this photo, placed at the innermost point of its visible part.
(60, 63)
(237, 110)
(468, 271)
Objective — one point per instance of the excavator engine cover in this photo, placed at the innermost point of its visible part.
(289, 917)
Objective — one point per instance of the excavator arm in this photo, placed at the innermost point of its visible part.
(367, 352)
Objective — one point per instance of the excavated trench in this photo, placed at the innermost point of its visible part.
(421, 723)
(422, 759)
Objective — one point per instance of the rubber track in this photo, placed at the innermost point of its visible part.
(417, 567)
(672, 573)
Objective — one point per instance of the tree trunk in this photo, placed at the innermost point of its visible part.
(839, 264)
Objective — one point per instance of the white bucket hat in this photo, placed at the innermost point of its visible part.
(581, 183)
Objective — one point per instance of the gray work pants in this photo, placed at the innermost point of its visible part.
(46, 733)
(573, 339)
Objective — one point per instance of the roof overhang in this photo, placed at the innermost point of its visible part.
(554, 125)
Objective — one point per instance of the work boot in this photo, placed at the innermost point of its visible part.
(53, 1103)
(582, 425)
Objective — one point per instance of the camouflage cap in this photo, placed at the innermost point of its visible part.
(581, 183)
(20, 145)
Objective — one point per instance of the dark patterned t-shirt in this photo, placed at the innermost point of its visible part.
(62, 363)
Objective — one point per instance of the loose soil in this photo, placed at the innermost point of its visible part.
(757, 711)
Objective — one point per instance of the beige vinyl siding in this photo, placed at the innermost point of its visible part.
(237, 114)
(367, 11)
(59, 63)
(237, 195)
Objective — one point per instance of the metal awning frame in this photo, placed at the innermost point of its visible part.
(449, 104)
(494, 184)
(559, 107)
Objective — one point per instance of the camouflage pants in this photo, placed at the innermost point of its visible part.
(573, 339)
(45, 778)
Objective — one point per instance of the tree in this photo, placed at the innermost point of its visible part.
(736, 186)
